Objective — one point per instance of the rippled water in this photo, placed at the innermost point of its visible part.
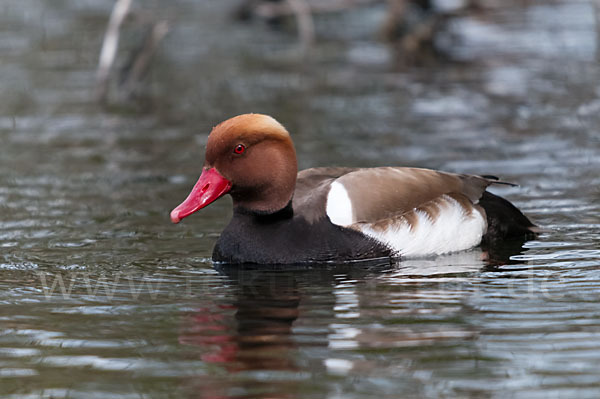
(101, 297)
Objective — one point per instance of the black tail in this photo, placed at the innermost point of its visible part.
(504, 220)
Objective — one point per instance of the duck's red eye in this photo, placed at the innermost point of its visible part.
(239, 149)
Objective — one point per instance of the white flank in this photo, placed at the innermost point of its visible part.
(339, 206)
(453, 230)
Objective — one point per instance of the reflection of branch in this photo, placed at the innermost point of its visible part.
(273, 10)
(306, 26)
(110, 46)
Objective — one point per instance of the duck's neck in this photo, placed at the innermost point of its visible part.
(266, 198)
(261, 216)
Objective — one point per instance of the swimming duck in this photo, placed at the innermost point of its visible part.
(339, 214)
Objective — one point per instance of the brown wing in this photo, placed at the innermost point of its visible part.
(312, 187)
(378, 193)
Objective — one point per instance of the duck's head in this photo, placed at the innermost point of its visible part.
(252, 158)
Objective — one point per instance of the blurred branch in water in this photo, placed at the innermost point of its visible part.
(110, 46)
(139, 61)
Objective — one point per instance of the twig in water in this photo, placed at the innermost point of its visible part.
(110, 46)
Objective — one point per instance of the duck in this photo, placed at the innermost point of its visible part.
(338, 214)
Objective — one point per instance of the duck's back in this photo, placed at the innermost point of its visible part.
(413, 211)
(345, 214)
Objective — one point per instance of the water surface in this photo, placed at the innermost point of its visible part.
(102, 297)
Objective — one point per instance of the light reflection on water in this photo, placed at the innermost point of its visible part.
(102, 297)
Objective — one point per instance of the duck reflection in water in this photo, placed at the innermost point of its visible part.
(267, 316)
(253, 330)
(257, 322)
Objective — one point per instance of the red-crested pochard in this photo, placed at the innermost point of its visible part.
(338, 214)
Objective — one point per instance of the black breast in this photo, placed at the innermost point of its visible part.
(287, 238)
